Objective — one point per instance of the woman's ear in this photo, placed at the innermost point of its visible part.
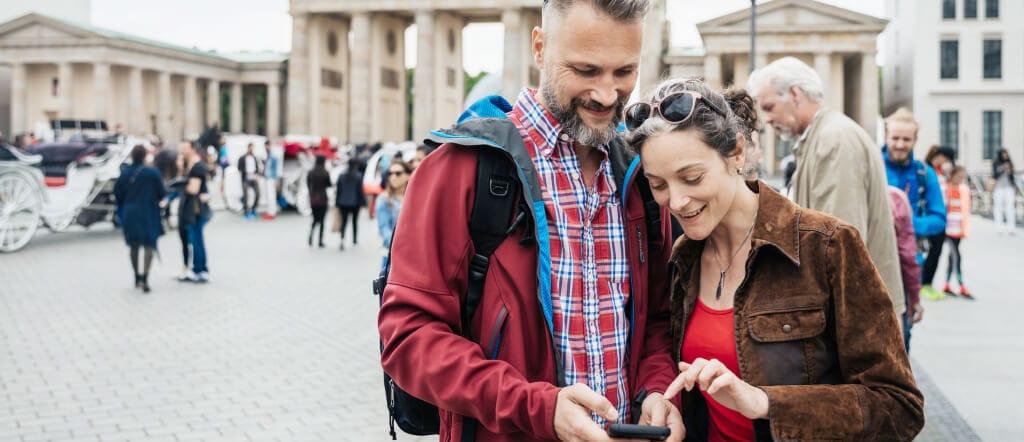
(738, 159)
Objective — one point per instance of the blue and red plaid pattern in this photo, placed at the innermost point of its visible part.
(590, 283)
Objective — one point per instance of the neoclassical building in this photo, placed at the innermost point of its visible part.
(61, 69)
(838, 43)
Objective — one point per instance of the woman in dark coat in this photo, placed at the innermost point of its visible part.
(318, 180)
(349, 199)
(138, 191)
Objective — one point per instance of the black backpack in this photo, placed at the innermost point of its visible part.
(491, 221)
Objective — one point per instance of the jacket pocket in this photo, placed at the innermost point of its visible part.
(780, 323)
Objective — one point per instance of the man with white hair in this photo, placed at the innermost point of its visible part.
(839, 168)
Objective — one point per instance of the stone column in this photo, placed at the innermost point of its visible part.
(655, 42)
(101, 90)
(869, 93)
(191, 112)
(273, 110)
(136, 109)
(213, 103)
(713, 70)
(18, 107)
(163, 113)
(251, 111)
(823, 66)
(236, 107)
(516, 45)
(314, 64)
(424, 94)
(740, 70)
(298, 78)
(361, 107)
(66, 85)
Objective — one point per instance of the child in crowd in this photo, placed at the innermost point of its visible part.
(958, 223)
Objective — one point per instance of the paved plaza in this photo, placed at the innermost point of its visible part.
(281, 345)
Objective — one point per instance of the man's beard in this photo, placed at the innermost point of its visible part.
(573, 124)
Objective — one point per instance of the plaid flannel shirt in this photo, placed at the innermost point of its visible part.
(590, 283)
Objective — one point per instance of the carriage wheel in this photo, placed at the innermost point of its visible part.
(20, 209)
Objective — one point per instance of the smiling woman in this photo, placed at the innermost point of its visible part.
(764, 292)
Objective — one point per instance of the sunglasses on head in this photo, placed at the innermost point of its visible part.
(675, 108)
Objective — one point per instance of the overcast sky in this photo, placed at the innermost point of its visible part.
(258, 25)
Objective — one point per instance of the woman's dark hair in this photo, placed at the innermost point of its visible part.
(321, 162)
(937, 150)
(1001, 153)
(138, 154)
(719, 132)
(742, 104)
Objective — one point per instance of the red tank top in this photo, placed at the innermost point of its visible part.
(709, 335)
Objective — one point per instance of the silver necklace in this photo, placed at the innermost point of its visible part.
(722, 272)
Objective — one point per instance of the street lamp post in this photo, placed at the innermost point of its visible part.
(753, 34)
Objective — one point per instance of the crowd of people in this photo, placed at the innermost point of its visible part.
(737, 311)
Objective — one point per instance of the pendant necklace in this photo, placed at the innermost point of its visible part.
(722, 272)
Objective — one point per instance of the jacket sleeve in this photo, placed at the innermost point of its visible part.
(933, 222)
(838, 188)
(657, 368)
(420, 315)
(878, 398)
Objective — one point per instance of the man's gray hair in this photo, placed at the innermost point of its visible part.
(621, 10)
(786, 73)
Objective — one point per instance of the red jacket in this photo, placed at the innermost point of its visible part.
(505, 376)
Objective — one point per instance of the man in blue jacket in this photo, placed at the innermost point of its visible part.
(921, 184)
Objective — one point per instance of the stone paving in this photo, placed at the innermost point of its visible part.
(281, 345)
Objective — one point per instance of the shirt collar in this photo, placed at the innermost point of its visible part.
(536, 118)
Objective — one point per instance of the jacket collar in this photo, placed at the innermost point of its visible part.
(818, 116)
(777, 226)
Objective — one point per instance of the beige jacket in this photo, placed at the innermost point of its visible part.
(840, 172)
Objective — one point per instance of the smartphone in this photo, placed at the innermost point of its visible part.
(647, 432)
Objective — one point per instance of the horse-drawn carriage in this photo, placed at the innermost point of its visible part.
(60, 183)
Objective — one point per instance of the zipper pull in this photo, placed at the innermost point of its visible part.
(640, 242)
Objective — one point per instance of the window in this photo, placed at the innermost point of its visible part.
(993, 50)
(970, 8)
(949, 129)
(949, 59)
(331, 79)
(992, 139)
(948, 9)
(991, 8)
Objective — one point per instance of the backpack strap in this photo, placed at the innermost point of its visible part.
(922, 181)
(489, 222)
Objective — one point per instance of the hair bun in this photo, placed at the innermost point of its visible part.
(742, 104)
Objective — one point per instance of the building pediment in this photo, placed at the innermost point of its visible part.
(794, 16)
(39, 29)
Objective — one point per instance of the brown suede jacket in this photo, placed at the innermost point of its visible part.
(814, 329)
